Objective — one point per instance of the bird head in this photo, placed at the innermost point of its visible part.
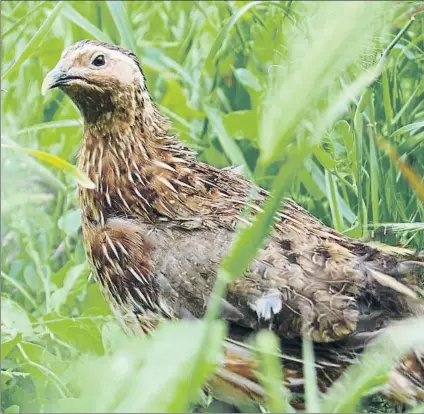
(100, 78)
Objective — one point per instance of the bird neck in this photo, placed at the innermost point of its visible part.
(133, 161)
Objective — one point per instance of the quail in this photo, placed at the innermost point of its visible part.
(158, 223)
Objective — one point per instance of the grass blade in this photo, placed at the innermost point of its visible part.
(158, 367)
(120, 17)
(66, 123)
(410, 175)
(250, 239)
(379, 358)
(312, 398)
(334, 26)
(332, 195)
(22, 20)
(415, 126)
(35, 41)
(405, 107)
(400, 227)
(374, 171)
(277, 396)
(417, 410)
(387, 100)
(41, 170)
(57, 162)
(21, 289)
(223, 35)
(229, 145)
(79, 20)
(358, 123)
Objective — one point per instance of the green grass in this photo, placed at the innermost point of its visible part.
(295, 91)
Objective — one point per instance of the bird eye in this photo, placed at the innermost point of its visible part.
(99, 60)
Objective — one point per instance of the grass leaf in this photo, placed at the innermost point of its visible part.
(75, 17)
(223, 35)
(312, 397)
(120, 17)
(277, 396)
(229, 145)
(57, 162)
(167, 357)
(410, 175)
(35, 41)
(379, 358)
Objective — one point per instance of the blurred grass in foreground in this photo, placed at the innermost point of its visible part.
(286, 88)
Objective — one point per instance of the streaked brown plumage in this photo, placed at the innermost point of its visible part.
(158, 223)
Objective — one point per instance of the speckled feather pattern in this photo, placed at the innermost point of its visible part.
(158, 224)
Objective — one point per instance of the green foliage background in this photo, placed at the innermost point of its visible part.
(212, 68)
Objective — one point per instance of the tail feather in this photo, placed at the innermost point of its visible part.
(406, 382)
(392, 292)
(236, 381)
(390, 282)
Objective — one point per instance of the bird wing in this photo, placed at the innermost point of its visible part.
(301, 282)
(307, 279)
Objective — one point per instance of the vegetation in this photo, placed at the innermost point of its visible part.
(300, 93)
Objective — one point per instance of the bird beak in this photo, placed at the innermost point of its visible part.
(57, 77)
(52, 80)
